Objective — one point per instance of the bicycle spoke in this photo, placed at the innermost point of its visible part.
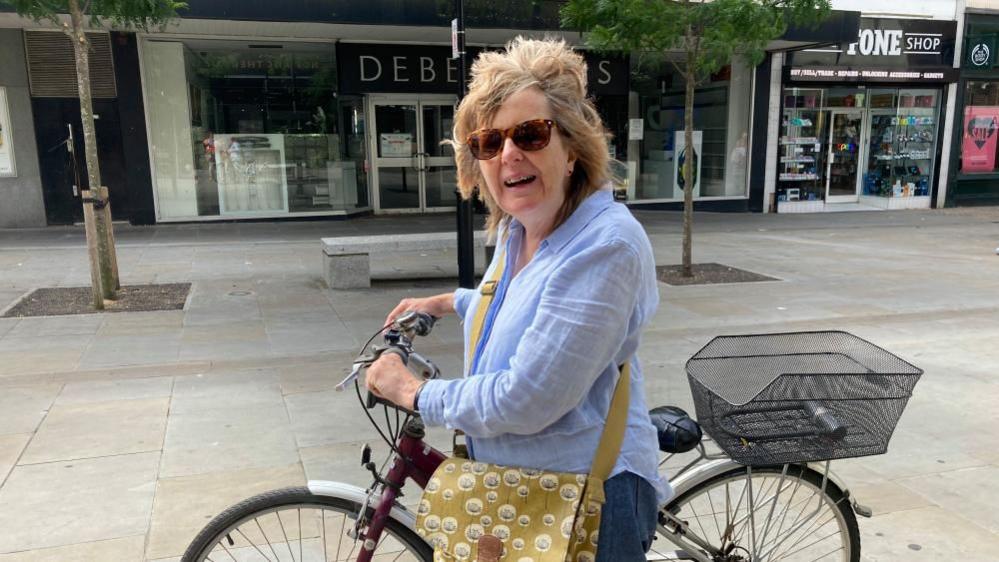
(714, 514)
(301, 538)
(267, 540)
(253, 544)
(287, 543)
(772, 514)
(809, 545)
(807, 532)
(322, 535)
(698, 519)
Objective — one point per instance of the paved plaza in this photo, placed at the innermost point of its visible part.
(122, 434)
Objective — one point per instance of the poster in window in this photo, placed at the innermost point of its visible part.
(979, 146)
(7, 169)
(681, 152)
(395, 145)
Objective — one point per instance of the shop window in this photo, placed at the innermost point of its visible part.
(902, 141)
(839, 144)
(721, 139)
(980, 128)
(251, 129)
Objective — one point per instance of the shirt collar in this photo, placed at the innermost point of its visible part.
(592, 206)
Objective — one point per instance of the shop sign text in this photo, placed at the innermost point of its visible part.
(367, 68)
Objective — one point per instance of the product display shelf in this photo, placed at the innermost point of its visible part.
(801, 158)
(902, 147)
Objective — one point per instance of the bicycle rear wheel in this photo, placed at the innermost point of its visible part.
(296, 525)
(769, 514)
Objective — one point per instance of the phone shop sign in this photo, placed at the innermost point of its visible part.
(888, 43)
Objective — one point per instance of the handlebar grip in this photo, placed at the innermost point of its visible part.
(824, 420)
(372, 400)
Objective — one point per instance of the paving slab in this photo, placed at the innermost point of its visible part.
(299, 338)
(121, 389)
(218, 341)
(127, 549)
(57, 326)
(23, 408)
(315, 376)
(11, 447)
(142, 347)
(42, 354)
(98, 429)
(6, 324)
(219, 440)
(320, 418)
(929, 534)
(56, 504)
(972, 492)
(184, 505)
(231, 390)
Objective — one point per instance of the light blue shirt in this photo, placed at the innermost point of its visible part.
(540, 386)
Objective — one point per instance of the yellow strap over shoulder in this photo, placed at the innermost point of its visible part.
(617, 416)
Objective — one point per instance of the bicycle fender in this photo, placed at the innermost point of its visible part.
(357, 494)
(684, 482)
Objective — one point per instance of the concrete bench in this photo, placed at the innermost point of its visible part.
(347, 262)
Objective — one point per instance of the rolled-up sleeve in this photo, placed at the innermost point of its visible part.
(462, 297)
(580, 325)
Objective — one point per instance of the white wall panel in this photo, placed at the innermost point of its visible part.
(936, 9)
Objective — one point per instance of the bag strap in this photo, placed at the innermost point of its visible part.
(612, 436)
(488, 291)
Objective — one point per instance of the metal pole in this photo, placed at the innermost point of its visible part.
(466, 242)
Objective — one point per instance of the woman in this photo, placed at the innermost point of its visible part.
(578, 286)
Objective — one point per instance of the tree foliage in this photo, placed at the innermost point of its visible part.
(706, 34)
(714, 30)
(120, 14)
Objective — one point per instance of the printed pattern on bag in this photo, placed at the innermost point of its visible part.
(539, 516)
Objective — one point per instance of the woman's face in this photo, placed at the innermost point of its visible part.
(530, 186)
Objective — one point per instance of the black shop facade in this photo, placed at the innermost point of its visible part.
(860, 121)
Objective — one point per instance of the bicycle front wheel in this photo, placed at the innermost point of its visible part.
(770, 514)
(296, 525)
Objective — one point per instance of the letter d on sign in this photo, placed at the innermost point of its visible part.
(378, 65)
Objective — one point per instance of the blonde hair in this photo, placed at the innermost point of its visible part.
(552, 67)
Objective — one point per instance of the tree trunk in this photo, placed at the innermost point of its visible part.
(102, 228)
(688, 162)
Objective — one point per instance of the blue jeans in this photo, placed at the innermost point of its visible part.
(628, 520)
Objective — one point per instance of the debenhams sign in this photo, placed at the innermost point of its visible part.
(886, 50)
(366, 68)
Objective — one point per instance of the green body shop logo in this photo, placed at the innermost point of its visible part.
(980, 54)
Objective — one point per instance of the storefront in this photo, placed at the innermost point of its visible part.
(253, 129)
(975, 177)
(722, 108)
(860, 122)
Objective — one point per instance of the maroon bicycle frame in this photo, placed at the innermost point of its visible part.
(417, 461)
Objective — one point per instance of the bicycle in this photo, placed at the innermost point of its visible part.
(728, 506)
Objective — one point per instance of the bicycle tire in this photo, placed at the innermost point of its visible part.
(703, 500)
(251, 518)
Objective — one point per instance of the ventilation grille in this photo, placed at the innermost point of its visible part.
(52, 65)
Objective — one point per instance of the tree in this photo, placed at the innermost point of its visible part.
(121, 14)
(707, 34)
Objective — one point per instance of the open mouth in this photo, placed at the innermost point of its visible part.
(520, 180)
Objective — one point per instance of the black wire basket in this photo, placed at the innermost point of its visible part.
(799, 396)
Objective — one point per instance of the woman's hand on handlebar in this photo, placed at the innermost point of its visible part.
(389, 378)
(438, 305)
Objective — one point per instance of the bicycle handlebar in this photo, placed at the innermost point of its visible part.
(398, 339)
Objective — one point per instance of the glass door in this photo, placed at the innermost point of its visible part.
(413, 171)
(843, 162)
